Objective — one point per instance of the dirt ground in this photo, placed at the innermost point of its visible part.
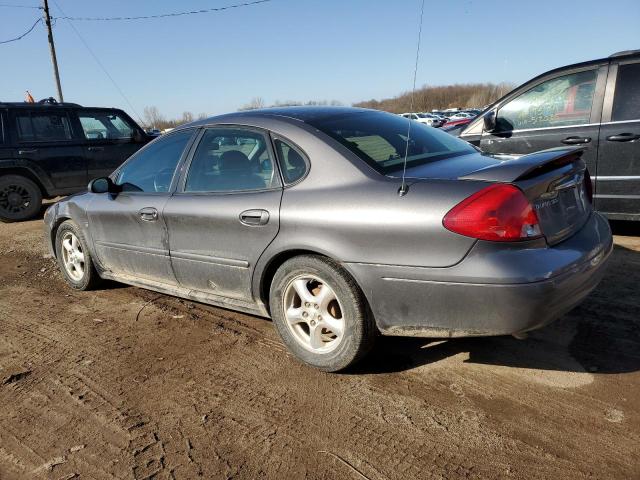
(127, 383)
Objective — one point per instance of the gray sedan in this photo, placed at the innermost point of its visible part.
(302, 215)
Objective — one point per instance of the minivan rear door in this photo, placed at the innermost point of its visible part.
(560, 109)
(617, 191)
(110, 138)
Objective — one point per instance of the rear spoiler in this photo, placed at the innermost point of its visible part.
(527, 166)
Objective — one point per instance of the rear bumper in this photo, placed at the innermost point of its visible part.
(495, 290)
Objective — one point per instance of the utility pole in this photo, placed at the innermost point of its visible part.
(52, 49)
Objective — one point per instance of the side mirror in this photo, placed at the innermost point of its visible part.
(490, 121)
(103, 185)
(138, 136)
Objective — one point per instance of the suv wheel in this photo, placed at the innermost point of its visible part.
(320, 313)
(20, 198)
(74, 257)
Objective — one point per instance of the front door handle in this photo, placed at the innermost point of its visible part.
(26, 152)
(95, 149)
(148, 214)
(254, 217)
(623, 137)
(576, 140)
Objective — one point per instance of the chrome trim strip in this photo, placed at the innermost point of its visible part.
(621, 121)
(195, 257)
(617, 178)
(626, 197)
(134, 248)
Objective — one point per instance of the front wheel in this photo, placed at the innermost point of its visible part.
(74, 258)
(20, 198)
(320, 313)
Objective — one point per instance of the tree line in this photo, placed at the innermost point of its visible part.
(154, 119)
(427, 98)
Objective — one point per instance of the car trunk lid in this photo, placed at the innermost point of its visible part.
(553, 180)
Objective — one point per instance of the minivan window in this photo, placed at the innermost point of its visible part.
(104, 126)
(626, 103)
(43, 127)
(558, 102)
(152, 168)
(380, 139)
(231, 159)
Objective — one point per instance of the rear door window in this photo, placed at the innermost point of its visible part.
(43, 127)
(626, 103)
(558, 102)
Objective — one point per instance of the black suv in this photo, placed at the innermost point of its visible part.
(593, 104)
(49, 149)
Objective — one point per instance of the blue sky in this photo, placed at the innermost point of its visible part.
(347, 50)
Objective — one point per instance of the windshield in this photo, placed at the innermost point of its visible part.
(380, 139)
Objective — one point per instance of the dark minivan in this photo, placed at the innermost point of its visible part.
(49, 149)
(593, 104)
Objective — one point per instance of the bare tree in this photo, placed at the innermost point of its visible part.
(152, 117)
(187, 117)
(202, 116)
(255, 103)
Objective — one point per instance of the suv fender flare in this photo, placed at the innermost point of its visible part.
(30, 170)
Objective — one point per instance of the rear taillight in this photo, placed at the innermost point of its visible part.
(499, 213)
(588, 186)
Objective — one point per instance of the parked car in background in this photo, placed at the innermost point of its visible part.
(49, 149)
(421, 118)
(594, 105)
(154, 132)
(456, 127)
(285, 222)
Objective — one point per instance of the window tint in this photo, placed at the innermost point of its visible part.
(151, 170)
(626, 104)
(291, 161)
(230, 160)
(558, 102)
(104, 125)
(43, 127)
(380, 139)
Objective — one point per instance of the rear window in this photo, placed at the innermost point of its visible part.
(380, 139)
(626, 104)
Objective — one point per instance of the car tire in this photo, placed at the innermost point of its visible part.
(20, 198)
(320, 313)
(74, 258)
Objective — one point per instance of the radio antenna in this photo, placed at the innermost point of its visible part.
(404, 188)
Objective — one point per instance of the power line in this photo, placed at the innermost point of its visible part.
(164, 15)
(24, 34)
(10, 5)
(95, 57)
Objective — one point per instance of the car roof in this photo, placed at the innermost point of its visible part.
(303, 114)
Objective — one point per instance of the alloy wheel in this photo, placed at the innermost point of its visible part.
(14, 198)
(313, 314)
(73, 256)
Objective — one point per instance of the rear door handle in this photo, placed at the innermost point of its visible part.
(26, 152)
(576, 140)
(254, 217)
(623, 137)
(148, 214)
(95, 149)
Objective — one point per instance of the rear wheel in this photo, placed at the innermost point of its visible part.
(320, 313)
(74, 257)
(20, 198)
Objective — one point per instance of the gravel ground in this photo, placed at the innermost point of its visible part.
(126, 383)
